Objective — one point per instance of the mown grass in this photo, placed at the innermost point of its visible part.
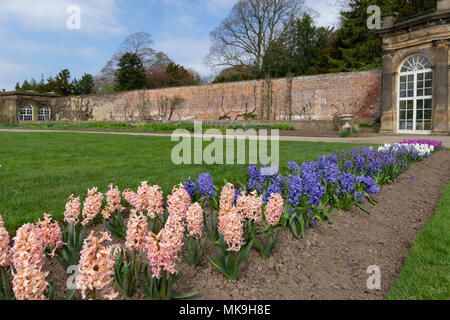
(40, 170)
(426, 273)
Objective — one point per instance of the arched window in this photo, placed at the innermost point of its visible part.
(26, 113)
(44, 113)
(415, 94)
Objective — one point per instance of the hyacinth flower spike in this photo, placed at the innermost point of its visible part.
(272, 216)
(232, 248)
(163, 249)
(125, 269)
(194, 219)
(112, 213)
(73, 234)
(5, 263)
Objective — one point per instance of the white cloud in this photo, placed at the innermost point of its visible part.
(97, 16)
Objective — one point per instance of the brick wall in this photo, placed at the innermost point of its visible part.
(318, 97)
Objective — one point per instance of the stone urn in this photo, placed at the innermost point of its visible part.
(346, 122)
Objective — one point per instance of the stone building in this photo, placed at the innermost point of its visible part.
(416, 72)
(26, 106)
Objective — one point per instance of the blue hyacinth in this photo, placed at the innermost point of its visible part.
(205, 185)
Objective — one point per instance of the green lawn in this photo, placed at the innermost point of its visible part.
(40, 170)
(426, 273)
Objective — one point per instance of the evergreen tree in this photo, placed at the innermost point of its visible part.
(357, 47)
(296, 52)
(84, 86)
(409, 8)
(131, 73)
(61, 84)
(26, 86)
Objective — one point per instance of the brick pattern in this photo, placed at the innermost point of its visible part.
(318, 97)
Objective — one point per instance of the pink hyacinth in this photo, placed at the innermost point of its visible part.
(96, 265)
(28, 248)
(136, 232)
(28, 259)
(51, 234)
(178, 203)
(274, 208)
(150, 200)
(163, 249)
(29, 284)
(250, 206)
(227, 196)
(131, 197)
(113, 199)
(92, 205)
(73, 210)
(231, 227)
(5, 251)
(194, 219)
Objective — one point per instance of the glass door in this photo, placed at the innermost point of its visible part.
(415, 96)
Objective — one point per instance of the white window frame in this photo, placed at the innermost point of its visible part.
(22, 116)
(45, 117)
(414, 97)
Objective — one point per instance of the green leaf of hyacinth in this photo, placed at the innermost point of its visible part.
(294, 229)
(222, 270)
(265, 229)
(71, 294)
(302, 228)
(185, 295)
(362, 208)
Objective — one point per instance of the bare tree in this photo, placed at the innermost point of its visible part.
(61, 109)
(139, 43)
(166, 106)
(83, 108)
(144, 106)
(244, 36)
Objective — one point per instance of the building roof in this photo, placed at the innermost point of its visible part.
(441, 17)
(27, 93)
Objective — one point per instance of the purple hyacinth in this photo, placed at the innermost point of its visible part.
(190, 187)
(205, 185)
(370, 185)
(295, 185)
(330, 173)
(348, 164)
(358, 195)
(294, 166)
(275, 186)
(346, 183)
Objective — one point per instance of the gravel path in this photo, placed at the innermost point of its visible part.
(377, 139)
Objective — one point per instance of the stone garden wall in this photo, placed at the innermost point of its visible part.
(320, 97)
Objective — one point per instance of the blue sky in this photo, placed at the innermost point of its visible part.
(38, 41)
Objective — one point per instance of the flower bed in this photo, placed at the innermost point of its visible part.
(238, 219)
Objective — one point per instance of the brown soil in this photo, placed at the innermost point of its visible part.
(331, 263)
